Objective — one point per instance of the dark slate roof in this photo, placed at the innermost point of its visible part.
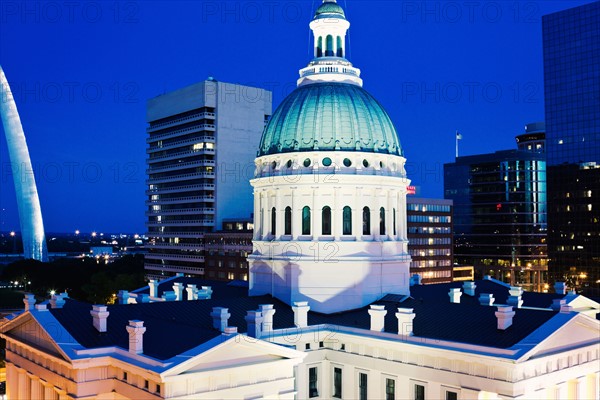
(220, 289)
(175, 327)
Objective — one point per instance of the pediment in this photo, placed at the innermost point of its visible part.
(27, 330)
(579, 331)
(239, 351)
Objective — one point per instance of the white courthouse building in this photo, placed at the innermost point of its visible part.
(330, 310)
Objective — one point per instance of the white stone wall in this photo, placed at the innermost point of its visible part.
(333, 271)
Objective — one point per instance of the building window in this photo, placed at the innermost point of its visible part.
(158, 389)
(451, 395)
(329, 46)
(146, 384)
(288, 221)
(124, 375)
(362, 386)
(306, 220)
(366, 221)
(326, 221)
(273, 221)
(320, 47)
(307, 346)
(313, 383)
(382, 221)
(419, 392)
(390, 389)
(347, 221)
(337, 383)
(394, 217)
(340, 51)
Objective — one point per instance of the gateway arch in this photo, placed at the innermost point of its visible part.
(30, 212)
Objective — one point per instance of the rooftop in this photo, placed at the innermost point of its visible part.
(188, 324)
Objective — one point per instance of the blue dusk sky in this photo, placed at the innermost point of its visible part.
(81, 73)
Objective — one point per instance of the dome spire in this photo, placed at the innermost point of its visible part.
(329, 26)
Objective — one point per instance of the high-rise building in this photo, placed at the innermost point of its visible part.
(226, 251)
(500, 211)
(201, 147)
(572, 96)
(430, 238)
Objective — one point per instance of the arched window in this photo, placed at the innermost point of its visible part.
(288, 221)
(366, 221)
(340, 51)
(382, 221)
(329, 46)
(273, 221)
(394, 215)
(320, 47)
(347, 221)
(326, 221)
(306, 220)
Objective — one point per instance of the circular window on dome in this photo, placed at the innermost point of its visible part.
(289, 164)
(327, 161)
(366, 163)
(347, 162)
(273, 165)
(307, 162)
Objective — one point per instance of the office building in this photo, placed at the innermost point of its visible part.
(430, 238)
(227, 250)
(572, 86)
(500, 211)
(201, 147)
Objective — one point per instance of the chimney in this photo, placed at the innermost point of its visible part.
(486, 299)
(267, 311)
(143, 298)
(469, 288)
(254, 320)
(99, 317)
(405, 321)
(64, 295)
(57, 301)
(415, 279)
(169, 296)
(205, 293)
(565, 309)
(231, 330)
(153, 285)
(136, 331)
(301, 309)
(377, 314)
(454, 295)
(29, 301)
(515, 298)
(178, 289)
(220, 317)
(557, 304)
(123, 297)
(505, 316)
(41, 307)
(560, 287)
(192, 292)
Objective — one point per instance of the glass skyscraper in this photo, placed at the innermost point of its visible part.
(572, 99)
(500, 211)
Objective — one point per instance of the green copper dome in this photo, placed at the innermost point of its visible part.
(329, 116)
(329, 7)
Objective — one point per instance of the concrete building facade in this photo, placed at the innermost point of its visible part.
(201, 147)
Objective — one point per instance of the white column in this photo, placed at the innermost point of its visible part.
(374, 208)
(12, 382)
(337, 210)
(256, 215)
(264, 230)
(402, 211)
(296, 214)
(49, 392)
(37, 391)
(24, 385)
(357, 208)
(389, 218)
(280, 214)
(316, 214)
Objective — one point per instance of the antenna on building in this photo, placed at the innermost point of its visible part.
(458, 137)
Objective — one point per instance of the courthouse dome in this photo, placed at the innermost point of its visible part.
(330, 116)
(330, 7)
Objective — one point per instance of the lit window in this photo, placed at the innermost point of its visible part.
(390, 389)
(313, 383)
